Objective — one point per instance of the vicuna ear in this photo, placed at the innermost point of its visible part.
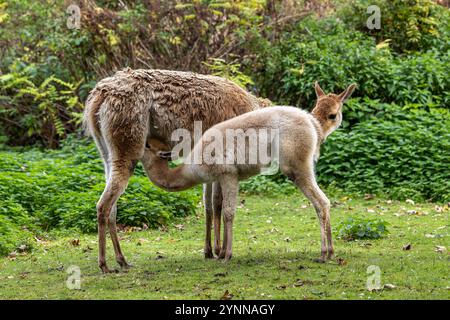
(319, 91)
(347, 92)
(167, 155)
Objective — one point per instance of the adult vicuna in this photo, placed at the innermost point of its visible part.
(124, 110)
(300, 135)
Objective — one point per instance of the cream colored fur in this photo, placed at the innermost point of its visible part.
(300, 136)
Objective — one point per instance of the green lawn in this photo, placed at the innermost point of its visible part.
(275, 242)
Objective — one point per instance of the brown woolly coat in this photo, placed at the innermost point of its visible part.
(134, 105)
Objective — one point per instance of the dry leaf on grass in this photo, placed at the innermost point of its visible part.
(440, 249)
(389, 286)
(75, 242)
(226, 295)
(369, 196)
(407, 247)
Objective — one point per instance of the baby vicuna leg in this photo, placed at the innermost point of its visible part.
(230, 188)
(207, 202)
(217, 211)
(306, 181)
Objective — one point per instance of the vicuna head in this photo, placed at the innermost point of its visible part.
(155, 150)
(328, 108)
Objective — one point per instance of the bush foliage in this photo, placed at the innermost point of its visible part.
(394, 138)
(358, 228)
(60, 189)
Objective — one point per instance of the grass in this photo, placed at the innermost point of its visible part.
(275, 242)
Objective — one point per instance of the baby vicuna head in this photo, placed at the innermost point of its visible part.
(328, 108)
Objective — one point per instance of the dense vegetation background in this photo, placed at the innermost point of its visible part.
(395, 138)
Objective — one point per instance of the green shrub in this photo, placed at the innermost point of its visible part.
(142, 203)
(14, 227)
(403, 154)
(34, 110)
(410, 24)
(355, 227)
(60, 189)
(326, 51)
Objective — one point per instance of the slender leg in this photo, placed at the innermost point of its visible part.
(329, 238)
(116, 184)
(217, 210)
(306, 181)
(230, 188)
(115, 239)
(207, 201)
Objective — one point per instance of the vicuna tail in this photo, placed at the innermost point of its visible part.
(90, 117)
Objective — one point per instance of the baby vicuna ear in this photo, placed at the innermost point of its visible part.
(347, 92)
(319, 91)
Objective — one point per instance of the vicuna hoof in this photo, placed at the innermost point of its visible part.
(105, 269)
(209, 255)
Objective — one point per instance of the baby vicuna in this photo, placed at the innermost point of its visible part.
(297, 141)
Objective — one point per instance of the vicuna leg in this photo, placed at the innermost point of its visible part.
(306, 181)
(115, 239)
(120, 172)
(217, 210)
(230, 188)
(207, 201)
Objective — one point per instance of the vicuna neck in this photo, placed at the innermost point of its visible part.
(319, 128)
(170, 179)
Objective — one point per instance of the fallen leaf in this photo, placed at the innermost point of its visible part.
(389, 201)
(304, 206)
(75, 242)
(407, 247)
(389, 286)
(440, 249)
(370, 211)
(226, 295)
(179, 226)
(299, 283)
(341, 262)
(429, 235)
(409, 201)
(369, 196)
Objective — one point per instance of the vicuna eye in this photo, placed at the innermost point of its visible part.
(332, 116)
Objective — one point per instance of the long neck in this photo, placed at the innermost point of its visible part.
(170, 179)
(319, 129)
